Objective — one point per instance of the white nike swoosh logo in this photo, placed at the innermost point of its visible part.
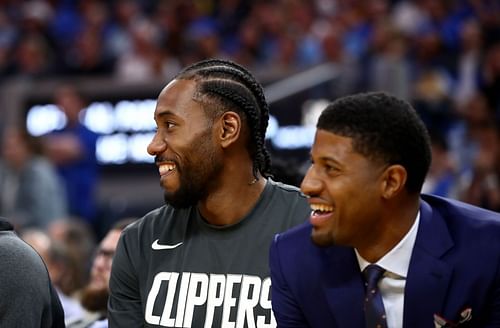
(157, 246)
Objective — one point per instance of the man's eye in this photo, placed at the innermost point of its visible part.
(330, 169)
(169, 125)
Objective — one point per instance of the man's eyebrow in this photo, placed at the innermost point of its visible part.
(330, 160)
(164, 113)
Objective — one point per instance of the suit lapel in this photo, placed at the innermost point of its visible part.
(428, 276)
(343, 286)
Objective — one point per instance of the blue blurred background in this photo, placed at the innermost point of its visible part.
(104, 62)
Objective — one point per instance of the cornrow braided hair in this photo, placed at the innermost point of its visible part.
(227, 85)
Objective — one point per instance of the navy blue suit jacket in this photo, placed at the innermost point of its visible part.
(455, 265)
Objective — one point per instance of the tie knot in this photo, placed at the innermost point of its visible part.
(372, 274)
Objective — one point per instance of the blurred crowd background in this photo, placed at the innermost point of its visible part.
(442, 56)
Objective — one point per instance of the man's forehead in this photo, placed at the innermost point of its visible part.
(178, 84)
(169, 84)
(177, 91)
(178, 100)
(330, 145)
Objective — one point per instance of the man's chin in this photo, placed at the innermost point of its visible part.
(321, 239)
(179, 200)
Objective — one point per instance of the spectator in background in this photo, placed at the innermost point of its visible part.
(67, 258)
(66, 247)
(31, 192)
(27, 296)
(94, 296)
(146, 60)
(432, 102)
(78, 237)
(125, 13)
(475, 147)
(441, 179)
(468, 63)
(463, 135)
(491, 78)
(349, 72)
(72, 150)
(86, 54)
(388, 66)
(204, 40)
(63, 267)
(35, 53)
(32, 57)
(481, 183)
(8, 33)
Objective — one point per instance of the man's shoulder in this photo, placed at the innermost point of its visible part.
(285, 188)
(457, 212)
(294, 240)
(287, 195)
(13, 247)
(146, 221)
(159, 215)
(25, 265)
(285, 203)
(467, 224)
(164, 219)
(296, 250)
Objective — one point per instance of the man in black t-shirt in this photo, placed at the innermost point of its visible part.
(202, 259)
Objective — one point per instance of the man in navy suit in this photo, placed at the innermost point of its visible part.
(439, 259)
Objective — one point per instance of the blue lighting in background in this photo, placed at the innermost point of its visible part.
(127, 127)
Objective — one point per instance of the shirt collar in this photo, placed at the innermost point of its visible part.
(397, 260)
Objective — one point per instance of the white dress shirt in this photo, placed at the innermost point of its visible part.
(392, 284)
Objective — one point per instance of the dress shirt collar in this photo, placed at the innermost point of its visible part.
(397, 260)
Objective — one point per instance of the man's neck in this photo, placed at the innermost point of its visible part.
(231, 203)
(394, 224)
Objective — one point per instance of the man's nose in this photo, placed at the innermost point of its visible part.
(311, 185)
(157, 145)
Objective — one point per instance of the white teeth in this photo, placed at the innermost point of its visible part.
(321, 207)
(165, 168)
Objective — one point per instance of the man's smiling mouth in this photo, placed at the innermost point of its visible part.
(166, 168)
(319, 209)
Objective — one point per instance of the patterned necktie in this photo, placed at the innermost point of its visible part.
(374, 306)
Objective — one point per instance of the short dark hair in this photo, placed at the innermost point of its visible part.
(384, 128)
(223, 85)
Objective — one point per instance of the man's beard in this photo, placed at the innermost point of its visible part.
(188, 194)
(95, 299)
(197, 175)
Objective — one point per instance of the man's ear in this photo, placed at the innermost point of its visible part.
(394, 180)
(230, 128)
